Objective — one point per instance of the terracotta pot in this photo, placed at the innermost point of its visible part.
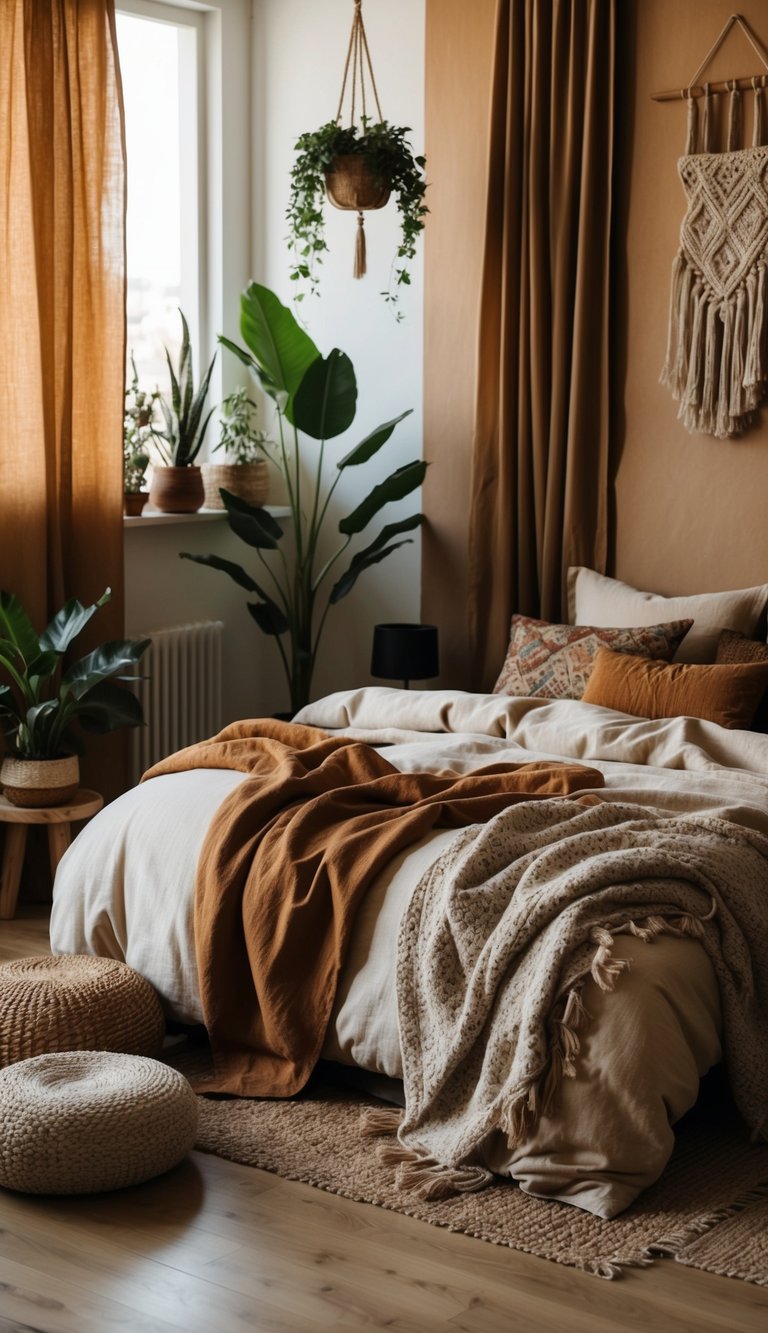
(176, 490)
(350, 184)
(35, 783)
(249, 481)
(134, 502)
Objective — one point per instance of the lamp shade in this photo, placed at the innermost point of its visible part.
(405, 652)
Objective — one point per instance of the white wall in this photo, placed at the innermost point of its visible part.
(299, 47)
(297, 51)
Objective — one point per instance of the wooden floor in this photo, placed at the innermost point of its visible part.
(214, 1247)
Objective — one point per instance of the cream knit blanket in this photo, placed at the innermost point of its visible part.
(503, 929)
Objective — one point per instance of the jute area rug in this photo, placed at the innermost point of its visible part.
(709, 1210)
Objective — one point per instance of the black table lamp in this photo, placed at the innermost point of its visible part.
(405, 652)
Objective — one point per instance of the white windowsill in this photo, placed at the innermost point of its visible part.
(153, 518)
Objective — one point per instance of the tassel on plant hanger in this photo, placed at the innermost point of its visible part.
(359, 270)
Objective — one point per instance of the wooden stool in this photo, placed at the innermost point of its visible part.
(58, 818)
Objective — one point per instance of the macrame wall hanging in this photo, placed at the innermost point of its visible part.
(717, 346)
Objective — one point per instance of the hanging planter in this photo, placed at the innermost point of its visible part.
(358, 167)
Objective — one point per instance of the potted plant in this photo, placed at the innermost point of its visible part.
(138, 431)
(245, 474)
(40, 701)
(358, 166)
(177, 485)
(314, 396)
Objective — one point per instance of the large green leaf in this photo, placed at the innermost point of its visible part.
(235, 504)
(17, 628)
(367, 557)
(255, 526)
(268, 616)
(107, 660)
(238, 351)
(68, 622)
(281, 347)
(348, 580)
(325, 402)
(236, 572)
(372, 443)
(396, 487)
(108, 706)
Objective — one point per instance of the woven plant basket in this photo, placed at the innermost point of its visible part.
(85, 1121)
(248, 481)
(74, 1002)
(35, 783)
(351, 185)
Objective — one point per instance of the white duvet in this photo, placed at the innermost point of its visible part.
(125, 889)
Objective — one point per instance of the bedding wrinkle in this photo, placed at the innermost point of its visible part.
(284, 866)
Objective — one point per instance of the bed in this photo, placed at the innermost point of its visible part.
(631, 1066)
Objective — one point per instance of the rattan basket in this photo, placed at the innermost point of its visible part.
(351, 184)
(248, 481)
(36, 783)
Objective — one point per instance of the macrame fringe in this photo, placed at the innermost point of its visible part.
(716, 364)
(360, 270)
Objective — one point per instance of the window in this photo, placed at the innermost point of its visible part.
(161, 59)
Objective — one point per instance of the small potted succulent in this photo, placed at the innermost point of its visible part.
(245, 474)
(358, 167)
(138, 432)
(177, 484)
(41, 701)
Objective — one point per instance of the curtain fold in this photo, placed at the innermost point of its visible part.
(62, 308)
(540, 450)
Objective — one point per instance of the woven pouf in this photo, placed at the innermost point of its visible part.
(78, 1122)
(75, 1002)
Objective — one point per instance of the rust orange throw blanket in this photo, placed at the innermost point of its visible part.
(286, 861)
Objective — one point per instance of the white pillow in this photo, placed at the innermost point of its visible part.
(594, 599)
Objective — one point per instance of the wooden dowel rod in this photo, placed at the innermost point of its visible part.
(724, 86)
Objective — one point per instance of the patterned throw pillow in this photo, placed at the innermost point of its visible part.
(555, 661)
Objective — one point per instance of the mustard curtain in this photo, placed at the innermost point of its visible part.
(540, 460)
(62, 308)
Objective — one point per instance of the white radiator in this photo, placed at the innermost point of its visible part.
(182, 696)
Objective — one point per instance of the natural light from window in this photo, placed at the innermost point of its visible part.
(162, 189)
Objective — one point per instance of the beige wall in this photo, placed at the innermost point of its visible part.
(689, 511)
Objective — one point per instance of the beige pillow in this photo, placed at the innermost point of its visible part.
(594, 599)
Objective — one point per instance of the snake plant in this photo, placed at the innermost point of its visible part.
(181, 441)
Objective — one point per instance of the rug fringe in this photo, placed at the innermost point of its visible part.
(376, 1121)
(670, 1245)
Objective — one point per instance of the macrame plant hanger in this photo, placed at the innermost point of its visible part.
(716, 364)
(350, 184)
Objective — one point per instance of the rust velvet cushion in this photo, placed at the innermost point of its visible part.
(734, 647)
(554, 661)
(726, 694)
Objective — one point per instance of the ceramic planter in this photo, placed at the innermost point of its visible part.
(134, 502)
(249, 481)
(39, 782)
(176, 490)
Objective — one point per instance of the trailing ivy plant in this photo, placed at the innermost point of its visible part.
(387, 152)
(315, 397)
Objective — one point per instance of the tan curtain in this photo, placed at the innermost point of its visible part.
(540, 464)
(62, 308)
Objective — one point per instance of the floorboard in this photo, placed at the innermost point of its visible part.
(214, 1247)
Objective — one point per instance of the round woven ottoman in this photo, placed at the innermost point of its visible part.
(75, 1002)
(77, 1122)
